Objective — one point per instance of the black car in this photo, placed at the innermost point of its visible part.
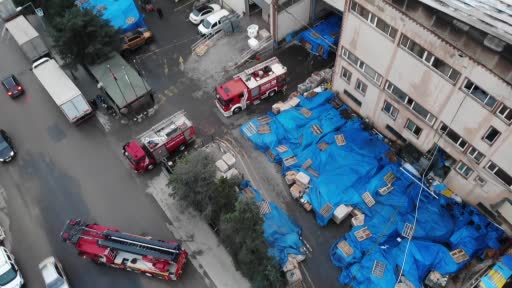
(7, 151)
(12, 86)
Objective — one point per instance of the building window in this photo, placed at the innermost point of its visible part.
(285, 4)
(491, 135)
(413, 128)
(479, 94)
(505, 113)
(361, 86)
(500, 173)
(353, 98)
(390, 110)
(363, 67)
(453, 136)
(476, 155)
(464, 169)
(373, 20)
(479, 180)
(430, 59)
(409, 102)
(346, 74)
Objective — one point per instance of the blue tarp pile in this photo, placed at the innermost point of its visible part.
(281, 233)
(121, 14)
(344, 173)
(322, 37)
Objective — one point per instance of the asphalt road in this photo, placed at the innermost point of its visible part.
(64, 171)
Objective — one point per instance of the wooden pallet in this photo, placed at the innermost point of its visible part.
(305, 112)
(282, 148)
(290, 161)
(385, 190)
(322, 146)
(345, 248)
(307, 164)
(264, 119)
(459, 255)
(263, 129)
(390, 178)
(340, 139)
(368, 199)
(363, 234)
(264, 207)
(408, 230)
(326, 210)
(316, 129)
(250, 129)
(313, 172)
(378, 269)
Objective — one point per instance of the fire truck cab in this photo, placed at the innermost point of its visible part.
(105, 245)
(250, 86)
(156, 144)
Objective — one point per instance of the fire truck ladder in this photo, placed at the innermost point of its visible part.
(140, 245)
(248, 72)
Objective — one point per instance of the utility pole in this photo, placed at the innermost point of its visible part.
(274, 12)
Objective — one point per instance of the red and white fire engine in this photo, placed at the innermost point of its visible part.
(105, 245)
(156, 144)
(250, 86)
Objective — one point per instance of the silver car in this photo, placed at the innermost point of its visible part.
(53, 274)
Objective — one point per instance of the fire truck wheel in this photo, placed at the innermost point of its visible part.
(271, 93)
(182, 147)
(237, 110)
(151, 166)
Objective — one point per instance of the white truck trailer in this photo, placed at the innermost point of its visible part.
(62, 90)
(27, 38)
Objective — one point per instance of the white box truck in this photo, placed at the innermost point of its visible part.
(62, 90)
(27, 38)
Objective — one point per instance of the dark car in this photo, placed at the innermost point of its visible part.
(7, 151)
(12, 86)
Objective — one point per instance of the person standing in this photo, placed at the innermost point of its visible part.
(159, 12)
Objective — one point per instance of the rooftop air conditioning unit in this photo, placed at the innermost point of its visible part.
(494, 43)
(461, 25)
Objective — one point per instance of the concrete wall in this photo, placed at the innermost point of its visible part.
(286, 23)
(236, 5)
(430, 89)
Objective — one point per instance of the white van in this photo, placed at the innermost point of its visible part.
(210, 24)
(10, 276)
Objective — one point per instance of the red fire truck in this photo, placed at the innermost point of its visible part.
(156, 144)
(105, 245)
(250, 86)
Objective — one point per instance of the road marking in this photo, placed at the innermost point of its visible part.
(166, 69)
(182, 66)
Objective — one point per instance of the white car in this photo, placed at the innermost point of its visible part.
(10, 276)
(211, 24)
(202, 12)
(53, 274)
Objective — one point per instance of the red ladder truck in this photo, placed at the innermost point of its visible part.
(155, 145)
(105, 245)
(250, 86)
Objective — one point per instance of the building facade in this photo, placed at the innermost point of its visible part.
(430, 73)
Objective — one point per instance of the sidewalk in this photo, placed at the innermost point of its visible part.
(205, 251)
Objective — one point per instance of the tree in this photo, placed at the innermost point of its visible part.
(242, 234)
(54, 9)
(82, 37)
(194, 183)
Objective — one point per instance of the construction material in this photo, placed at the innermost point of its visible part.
(313, 172)
(282, 148)
(368, 199)
(341, 213)
(264, 119)
(363, 234)
(263, 129)
(340, 140)
(231, 173)
(459, 255)
(305, 112)
(290, 161)
(385, 190)
(264, 207)
(290, 177)
(316, 129)
(357, 220)
(307, 164)
(229, 159)
(323, 146)
(302, 179)
(345, 248)
(296, 191)
(326, 210)
(222, 166)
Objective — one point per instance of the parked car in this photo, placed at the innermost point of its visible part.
(135, 39)
(10, 275)
(7, 151)
(53, 274)
(202, 12)
(12, 86)
(213, 21)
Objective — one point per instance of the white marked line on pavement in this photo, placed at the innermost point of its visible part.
(166, 69)
(104, 121)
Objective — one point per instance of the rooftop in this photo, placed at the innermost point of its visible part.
(491, 16)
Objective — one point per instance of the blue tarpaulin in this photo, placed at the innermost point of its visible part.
(341, 172)
(282, 234)
(121, 14)
(322, 37)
